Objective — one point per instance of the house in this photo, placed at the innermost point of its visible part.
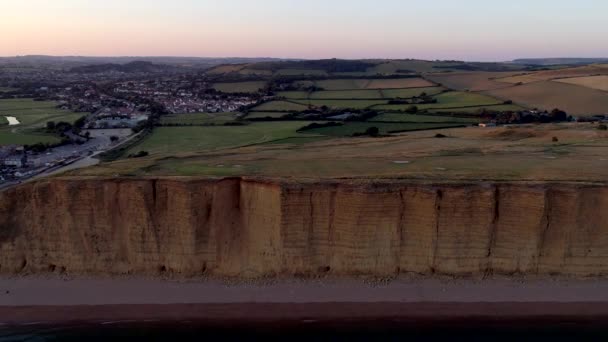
(15, 160)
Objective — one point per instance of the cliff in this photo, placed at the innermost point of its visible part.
(249, 228)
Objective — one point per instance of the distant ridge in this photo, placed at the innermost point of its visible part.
(132, 67)
(560, 61)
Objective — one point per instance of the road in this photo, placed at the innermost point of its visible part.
(75, 156)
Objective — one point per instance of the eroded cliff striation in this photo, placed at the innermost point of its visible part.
(249, 228)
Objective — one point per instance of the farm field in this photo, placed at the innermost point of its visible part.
(477, 109)
(505, 153)
(450, 100)
(574, 99)
(410, 92)
(280, 106)
(32, 116)
(347, 84)
(347, 94)
(343, 104)
(361, 94)
(256, 115)
(240, 87)
(175, 140)
(350, 128)
(593, 82)
(226, 69)
(294, 94)
(546, 75)
(419, 118)
(472, 81)
(303, 72)
(197, 118)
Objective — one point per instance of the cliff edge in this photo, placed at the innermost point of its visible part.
(250, 228)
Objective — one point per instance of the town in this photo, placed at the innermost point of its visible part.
(114, 106)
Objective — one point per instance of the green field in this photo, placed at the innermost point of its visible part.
(343, 104)
(361, 94)
(172, 140)
(197, 118)
(351, 128)
(453, 99)
(256, 115)
(294, 94)
(394, 117)
(33, 116)
(240, 87)
(347, 84)
(473, 110)
(410, 92)
(280, 106)
(347, 94)
(303, 72)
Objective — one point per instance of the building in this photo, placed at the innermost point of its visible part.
(15, 160)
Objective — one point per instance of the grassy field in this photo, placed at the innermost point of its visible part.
(524, 152)
(344, 104)
(294, 94)
(346, 94)
(255, 115)
(546, 75)
(240, 87)
(393, 117)
(593, 82)
(303, 72)
(477, 109)
(226, 69)
(280, 106)
(174, 140)
(361, 94)
(197, 118)
(453, 99)
(345, 84)
(472, 81)
(33, 116)
(411, 92)
(351, 128)
(574, 99)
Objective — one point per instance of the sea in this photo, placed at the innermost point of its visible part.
(311, 330)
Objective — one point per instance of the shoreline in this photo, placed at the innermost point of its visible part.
(291, 313)
(51, 300)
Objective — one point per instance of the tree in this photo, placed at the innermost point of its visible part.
(412, 110)
(372, 131)
(80, 122)
(50, 126)
(558, 115)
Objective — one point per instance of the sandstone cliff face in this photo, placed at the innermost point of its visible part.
(248, 228)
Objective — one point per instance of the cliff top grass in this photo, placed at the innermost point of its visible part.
(552, 152)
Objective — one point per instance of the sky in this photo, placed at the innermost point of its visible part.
(488, 30)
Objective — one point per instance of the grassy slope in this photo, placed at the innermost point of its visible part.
(393, 117)
(240, 87)
(198, 118)
(173, 140)
(351, 128)
(32, 116)
(574, 99)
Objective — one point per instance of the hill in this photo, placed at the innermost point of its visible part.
(132, 67)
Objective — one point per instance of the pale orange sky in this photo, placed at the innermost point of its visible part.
(433, 29)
